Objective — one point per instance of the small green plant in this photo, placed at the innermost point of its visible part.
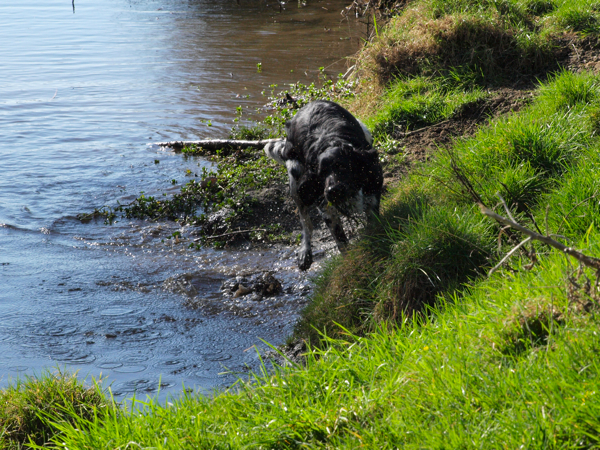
(540, 7)
(581, 20)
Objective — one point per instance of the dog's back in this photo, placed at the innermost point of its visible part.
(322, 121)
(320, 124)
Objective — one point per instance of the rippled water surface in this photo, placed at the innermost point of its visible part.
(84, 89)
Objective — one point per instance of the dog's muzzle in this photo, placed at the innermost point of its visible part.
(337, 193)
(343, 197)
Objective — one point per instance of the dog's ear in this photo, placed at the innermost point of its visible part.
(310, 188)
(330, 160)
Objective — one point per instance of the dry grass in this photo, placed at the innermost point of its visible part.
(427, 46)
(505, 41)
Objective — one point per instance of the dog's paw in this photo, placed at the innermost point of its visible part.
(304, 259)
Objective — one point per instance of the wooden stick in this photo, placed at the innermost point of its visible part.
(508, 255)
(216, 144)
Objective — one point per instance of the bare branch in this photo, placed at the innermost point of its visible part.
(462, 178)
(502, 231)
(506, 208)
(583, 259)
(420, 130)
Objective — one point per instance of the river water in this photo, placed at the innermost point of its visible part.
(85, 88)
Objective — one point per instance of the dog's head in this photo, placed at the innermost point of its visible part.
(343, 172)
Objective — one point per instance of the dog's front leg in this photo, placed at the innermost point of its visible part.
(371, 206)
(305, 253)
(333, 222)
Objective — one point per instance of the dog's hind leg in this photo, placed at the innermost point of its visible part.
(333, 222)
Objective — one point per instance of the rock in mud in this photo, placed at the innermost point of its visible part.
(291, 353)
(231, 285)
(259, 285)
(267, 285)
(241, 290)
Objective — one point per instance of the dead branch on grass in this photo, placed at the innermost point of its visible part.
(511, 223)
(420, 130)
(588, 261)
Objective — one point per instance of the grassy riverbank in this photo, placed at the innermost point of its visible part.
(423, 349)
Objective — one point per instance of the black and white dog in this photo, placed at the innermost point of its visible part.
(331, 164)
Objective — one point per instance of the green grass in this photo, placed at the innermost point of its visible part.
(431, 251)
(30, 406)
(503, 40)
(417, 102)
(579, 16)
(524, 155)
(576, 205)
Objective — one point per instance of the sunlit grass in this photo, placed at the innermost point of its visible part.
(418, 102)
(30, 406)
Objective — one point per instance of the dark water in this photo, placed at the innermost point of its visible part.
(83, 92)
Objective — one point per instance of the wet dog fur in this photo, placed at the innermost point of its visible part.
(332, 165)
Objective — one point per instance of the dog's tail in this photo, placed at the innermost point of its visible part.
(275, 150)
